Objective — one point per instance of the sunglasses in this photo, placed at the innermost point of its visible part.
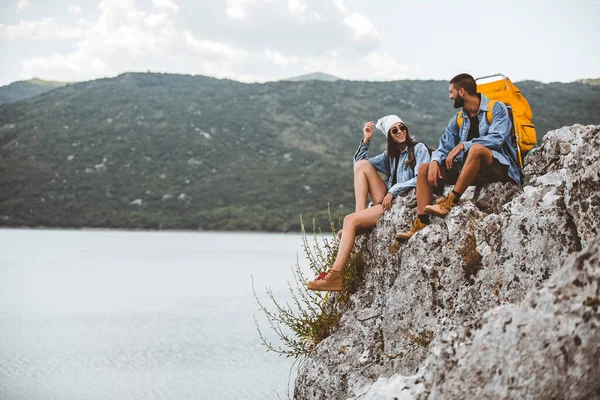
(396, 130)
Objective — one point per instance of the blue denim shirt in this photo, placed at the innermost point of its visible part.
(494, 136)
(407, 177)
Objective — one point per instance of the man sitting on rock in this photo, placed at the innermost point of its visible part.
(474, 153)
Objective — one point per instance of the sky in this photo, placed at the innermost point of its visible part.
(267, 40)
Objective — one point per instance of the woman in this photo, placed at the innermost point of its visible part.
(401, 177)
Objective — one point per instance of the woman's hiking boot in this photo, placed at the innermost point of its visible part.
(330, 281)
(442, 207)
(417, 226)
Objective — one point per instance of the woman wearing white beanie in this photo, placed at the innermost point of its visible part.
(400, 162)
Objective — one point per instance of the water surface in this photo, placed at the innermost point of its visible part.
(138, 315)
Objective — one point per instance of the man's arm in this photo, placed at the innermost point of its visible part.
(499, 130)
(448, 141)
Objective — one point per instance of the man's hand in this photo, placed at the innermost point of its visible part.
(434, 173)
(387, 201)
(453, 153)
(368, 131)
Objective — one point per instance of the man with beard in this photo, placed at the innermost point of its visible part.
(475, 152)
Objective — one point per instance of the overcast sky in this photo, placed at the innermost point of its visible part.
(264, 40)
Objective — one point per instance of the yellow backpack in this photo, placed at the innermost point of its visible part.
(519, 111)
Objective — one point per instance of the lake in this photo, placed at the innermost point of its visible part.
(139, 315)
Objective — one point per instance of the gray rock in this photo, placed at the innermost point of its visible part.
(547, 347)
(499, 244)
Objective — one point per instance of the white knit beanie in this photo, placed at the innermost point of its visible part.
(385, 123)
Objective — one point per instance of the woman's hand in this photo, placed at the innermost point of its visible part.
(387, 201)
(368, 131)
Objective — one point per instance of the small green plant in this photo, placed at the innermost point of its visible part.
(311, 316)
(422, 338)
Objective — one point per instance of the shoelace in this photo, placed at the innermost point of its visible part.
(322, 275)
(414, 227)
(444, 201)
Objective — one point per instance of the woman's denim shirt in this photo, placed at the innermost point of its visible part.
(494, 136)
(406, 177)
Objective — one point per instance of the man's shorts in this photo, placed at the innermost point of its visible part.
(495, 172)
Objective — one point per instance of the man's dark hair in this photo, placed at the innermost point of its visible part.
(466, 82)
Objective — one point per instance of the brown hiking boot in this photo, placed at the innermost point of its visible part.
(417, 226)
(330, 281)
(442, 207)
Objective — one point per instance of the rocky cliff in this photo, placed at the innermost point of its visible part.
(498, 300)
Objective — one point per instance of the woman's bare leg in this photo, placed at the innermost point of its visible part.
(359, 220)
(367, 182)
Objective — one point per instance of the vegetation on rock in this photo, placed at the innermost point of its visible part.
(312, 316)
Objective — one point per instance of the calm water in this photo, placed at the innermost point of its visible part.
(138, 315)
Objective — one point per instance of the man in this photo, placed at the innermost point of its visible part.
(474, 153)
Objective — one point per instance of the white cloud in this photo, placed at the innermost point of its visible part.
(384, 66)
(22, 5)
(154, 20)
(108, 45)
(69, 67)
(279, 59)
(166, 4)
(211, 47)
(47, 28)
(340, 5)
(282, 39)
(237, 8)
(74, 9)
(296, 6)
(362, 26)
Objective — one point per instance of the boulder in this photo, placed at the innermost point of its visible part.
(481, 261)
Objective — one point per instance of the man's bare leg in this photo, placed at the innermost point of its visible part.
(477, 157)
(424, 189)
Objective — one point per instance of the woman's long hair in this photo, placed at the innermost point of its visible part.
(394, 152)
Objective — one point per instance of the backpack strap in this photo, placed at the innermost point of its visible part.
(488, 114)
(490, 110)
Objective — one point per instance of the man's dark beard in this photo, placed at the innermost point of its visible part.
(459, 101)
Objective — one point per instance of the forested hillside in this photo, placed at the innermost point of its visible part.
(191, 152)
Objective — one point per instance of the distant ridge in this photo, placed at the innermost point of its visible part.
(594, 81)
(317, 76)
(168, 151)
(25, 89)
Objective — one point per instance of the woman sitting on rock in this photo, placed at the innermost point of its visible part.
(400, 163)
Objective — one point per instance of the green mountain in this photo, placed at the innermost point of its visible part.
(191, 152)
(317, 76)
(24, 89)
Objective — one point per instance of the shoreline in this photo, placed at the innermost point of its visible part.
(94, 229)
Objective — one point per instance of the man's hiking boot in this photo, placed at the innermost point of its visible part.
(330, 281)
(417, 226)
(442, 207)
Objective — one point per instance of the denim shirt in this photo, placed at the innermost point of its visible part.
(407, 177)
(494, 136)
